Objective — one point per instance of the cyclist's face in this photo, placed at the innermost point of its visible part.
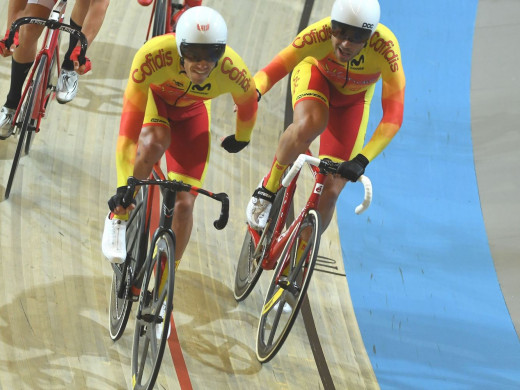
(198, 71)
(344, 49)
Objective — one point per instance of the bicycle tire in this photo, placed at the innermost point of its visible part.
(32, 94)
(121, 301)
(175, 6)
(159, 18)
(276, 321)
(145, 366)
(249, 266)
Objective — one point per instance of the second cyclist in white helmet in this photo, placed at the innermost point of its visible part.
(166, 110)
(335, 64)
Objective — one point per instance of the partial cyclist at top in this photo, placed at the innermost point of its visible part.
(166, 110)
(87, 16)
(335, 63)
(186, 4)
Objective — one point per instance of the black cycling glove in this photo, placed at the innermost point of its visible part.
(232, 145)
(353, 169)
(117, 199)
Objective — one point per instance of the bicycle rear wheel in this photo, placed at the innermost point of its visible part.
(286, 293)
(159, 18)
(121, 297)
(29, 105)
(249, 267)
(157, 288)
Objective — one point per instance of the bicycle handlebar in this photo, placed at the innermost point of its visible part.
(53, 25)
(179, 186)
(328, 166)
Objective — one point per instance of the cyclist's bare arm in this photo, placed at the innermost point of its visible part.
(14, 11)
(90, 15)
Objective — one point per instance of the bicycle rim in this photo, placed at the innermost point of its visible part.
(26, 122)
(284, 298)
(148, 349)
(249, 267)
(120, 291)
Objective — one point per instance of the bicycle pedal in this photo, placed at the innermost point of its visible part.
(288, 286)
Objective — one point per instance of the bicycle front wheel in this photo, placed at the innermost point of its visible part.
(288, 286)
(121, 297)
(154, 312)
(249, 267)
(27, 122)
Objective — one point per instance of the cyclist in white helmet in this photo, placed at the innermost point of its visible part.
(166, 110)
(335, 65)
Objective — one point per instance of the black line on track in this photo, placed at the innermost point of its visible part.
(308, 319)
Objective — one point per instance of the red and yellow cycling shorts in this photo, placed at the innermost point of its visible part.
(188, 154)
(345, 134)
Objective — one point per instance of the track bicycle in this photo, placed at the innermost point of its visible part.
(40, 89)
(163, 17)
(148, 273)
(291, 252)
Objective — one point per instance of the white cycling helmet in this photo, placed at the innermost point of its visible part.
(358, 15)
(201, 34)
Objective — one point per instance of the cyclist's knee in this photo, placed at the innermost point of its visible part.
(310, 120)
(184, 205)
(153, 141)
(332, 188)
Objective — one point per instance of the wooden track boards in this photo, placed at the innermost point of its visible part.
(55, 282)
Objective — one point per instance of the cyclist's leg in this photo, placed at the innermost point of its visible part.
(155, 137)
(23, 57)
(342, 140)
(309, 119)
(187, 159)
(311, 113)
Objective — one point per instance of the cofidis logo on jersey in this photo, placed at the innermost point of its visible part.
(385, 48)
(153, 62)
(313, 36)
(239, 76)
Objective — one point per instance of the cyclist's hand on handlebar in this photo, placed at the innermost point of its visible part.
(7, 51)
(231, 144)
(353, 169)
(115, 203)
(81, 64)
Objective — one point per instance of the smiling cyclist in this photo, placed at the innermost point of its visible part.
(166, 110)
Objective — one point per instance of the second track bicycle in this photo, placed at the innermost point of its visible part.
(291, 251)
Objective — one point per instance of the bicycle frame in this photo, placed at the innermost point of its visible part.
(50, 46)
(279, 237)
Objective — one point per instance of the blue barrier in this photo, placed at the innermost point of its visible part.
(420, 272)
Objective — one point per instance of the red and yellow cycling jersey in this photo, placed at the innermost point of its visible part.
(380, 58)
(157, 67)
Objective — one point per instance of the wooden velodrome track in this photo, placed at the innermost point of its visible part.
(55, 282)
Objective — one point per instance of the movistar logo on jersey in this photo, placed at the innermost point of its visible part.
(153, 62)
(385, 48)
(239, 76)
(356, 63)
(313, 36)
(203, 89)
